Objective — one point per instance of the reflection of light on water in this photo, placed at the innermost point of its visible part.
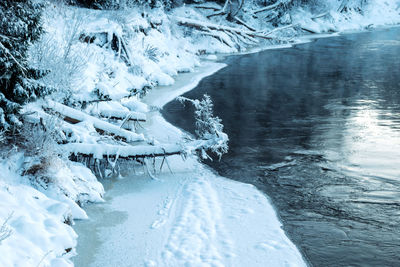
(371, 146)
(376, 45)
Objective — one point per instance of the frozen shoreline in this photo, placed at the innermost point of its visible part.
(190, 217)
(161, 95)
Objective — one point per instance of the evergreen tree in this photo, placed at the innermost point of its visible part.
(19, 26)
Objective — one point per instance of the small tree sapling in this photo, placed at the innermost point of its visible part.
(209, 128)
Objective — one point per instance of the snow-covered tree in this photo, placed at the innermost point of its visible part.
(19, 27)
(208, 127)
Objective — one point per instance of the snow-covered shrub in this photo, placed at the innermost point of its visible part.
(208, 127)
(59, 51)
(19, 26)
(151, 52)
(41, 139)
(50, 171)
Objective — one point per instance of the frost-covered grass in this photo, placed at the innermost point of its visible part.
(41, 191)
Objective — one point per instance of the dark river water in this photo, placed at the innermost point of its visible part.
(317, 128)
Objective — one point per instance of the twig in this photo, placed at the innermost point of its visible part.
(273, 6)
(320, 15)
(5, 232)
(244, 24)
(208, 7)
(44, 256)
(280, 29)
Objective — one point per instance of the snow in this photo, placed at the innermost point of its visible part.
(190, 218)
(37, 215)
(39, 235)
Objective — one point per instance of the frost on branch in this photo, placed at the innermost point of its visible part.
(209, 128)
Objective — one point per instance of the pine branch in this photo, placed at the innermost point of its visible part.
(23, 69)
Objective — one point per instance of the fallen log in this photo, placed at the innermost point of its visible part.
(75, 116)
(121, 115)
(100, 151)
(66, 131)
(206, 26)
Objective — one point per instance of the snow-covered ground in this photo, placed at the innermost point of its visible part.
(35, 228)
(189, 218)
(192, 216)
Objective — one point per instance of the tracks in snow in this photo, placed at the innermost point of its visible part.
(198, 236)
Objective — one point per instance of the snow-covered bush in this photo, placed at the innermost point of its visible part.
(208, 127)
(60, 51)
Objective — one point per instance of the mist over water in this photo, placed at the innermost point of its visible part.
(317, 127)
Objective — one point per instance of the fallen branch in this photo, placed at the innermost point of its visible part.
(244, 24)
(220, 37)
(320, 15)
(210, 26)
(75, 116)
(308, 30)
(281, 28)
(122, 115)
(270, 7)
(209, 7)
(100, 151)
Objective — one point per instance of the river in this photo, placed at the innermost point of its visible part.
(317, 128)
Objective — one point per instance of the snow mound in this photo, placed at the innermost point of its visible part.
(38, 232)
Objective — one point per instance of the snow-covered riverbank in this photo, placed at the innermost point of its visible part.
(78, 49)
(191, 217)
